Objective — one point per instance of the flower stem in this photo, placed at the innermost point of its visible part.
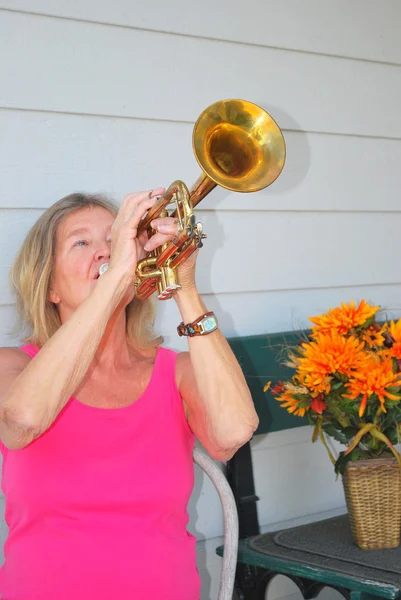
(377, 415)
(321, 434)
(364, 430)
(380, 436)
(317, 430)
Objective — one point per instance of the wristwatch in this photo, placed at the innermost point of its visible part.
(204, 324)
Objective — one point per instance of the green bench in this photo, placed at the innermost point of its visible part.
(260, 557)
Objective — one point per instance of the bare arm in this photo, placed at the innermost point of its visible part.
(220, 409)
(218, 402)
(33, 392)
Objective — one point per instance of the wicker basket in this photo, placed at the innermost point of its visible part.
(373, 496)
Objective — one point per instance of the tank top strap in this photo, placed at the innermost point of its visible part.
(166, 385)
(166, 366)
(30, 349)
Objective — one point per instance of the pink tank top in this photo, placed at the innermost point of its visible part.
(97, 506)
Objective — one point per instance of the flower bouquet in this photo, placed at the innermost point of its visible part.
(347, 382)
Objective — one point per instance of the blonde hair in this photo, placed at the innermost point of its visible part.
(32, 271)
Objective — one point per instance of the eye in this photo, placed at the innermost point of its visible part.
(81, 243)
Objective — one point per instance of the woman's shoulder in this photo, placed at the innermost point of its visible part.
(184, 369)
(175, 361)
(178, 358)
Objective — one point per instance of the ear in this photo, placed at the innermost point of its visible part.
(53, 297)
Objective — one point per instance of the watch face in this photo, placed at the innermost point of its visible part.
(209, 323)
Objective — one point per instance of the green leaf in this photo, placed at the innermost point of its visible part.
(350, 432)
(303, 401)
(355, 454)
(366, 324)
(394, 390)
(393, 434)
(391, 417)
(309, 416)
(353, 408)
(335, 433)
(342, 460)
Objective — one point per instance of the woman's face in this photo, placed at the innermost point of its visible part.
(82, 246)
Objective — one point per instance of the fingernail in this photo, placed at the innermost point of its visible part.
(146, 246)
(162, 228)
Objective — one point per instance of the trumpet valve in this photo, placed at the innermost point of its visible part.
(168, 283)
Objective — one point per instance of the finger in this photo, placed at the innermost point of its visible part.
(158, 239)
(143, 237)
(141, 203)
(138, 211)
(136, 197)
(157, 192)
(167, 225)
(130, 201)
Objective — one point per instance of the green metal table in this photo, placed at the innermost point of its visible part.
(315, 556)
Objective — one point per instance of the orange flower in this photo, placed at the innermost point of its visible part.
(395, 350)
(291, 404)
(316, 383)
(373, 336)
(329, 354)
(395, 332)
(343, 319)
(373, 378)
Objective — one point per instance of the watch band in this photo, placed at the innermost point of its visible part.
(203, 325)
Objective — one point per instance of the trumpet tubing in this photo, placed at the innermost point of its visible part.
(239, 147)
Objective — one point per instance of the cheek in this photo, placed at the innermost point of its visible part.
(79, 269)
(71, 270)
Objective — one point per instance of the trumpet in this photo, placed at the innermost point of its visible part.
(239, 147)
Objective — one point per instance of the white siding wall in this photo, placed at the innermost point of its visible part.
(102, 96)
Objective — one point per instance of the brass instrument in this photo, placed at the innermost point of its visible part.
(239, 147)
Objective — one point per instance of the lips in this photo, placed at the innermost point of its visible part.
(102, 269)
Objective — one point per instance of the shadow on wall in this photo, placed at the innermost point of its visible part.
(298, 156)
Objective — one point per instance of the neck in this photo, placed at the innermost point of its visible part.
(114, 351)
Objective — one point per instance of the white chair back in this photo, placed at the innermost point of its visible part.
(230, 522)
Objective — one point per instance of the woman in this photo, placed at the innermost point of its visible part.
(97, 420)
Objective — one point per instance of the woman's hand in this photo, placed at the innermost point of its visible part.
(167, 229)
(127, 248)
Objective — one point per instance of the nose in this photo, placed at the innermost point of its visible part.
(103, 253)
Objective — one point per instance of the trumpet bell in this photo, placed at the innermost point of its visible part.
(238, 145)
